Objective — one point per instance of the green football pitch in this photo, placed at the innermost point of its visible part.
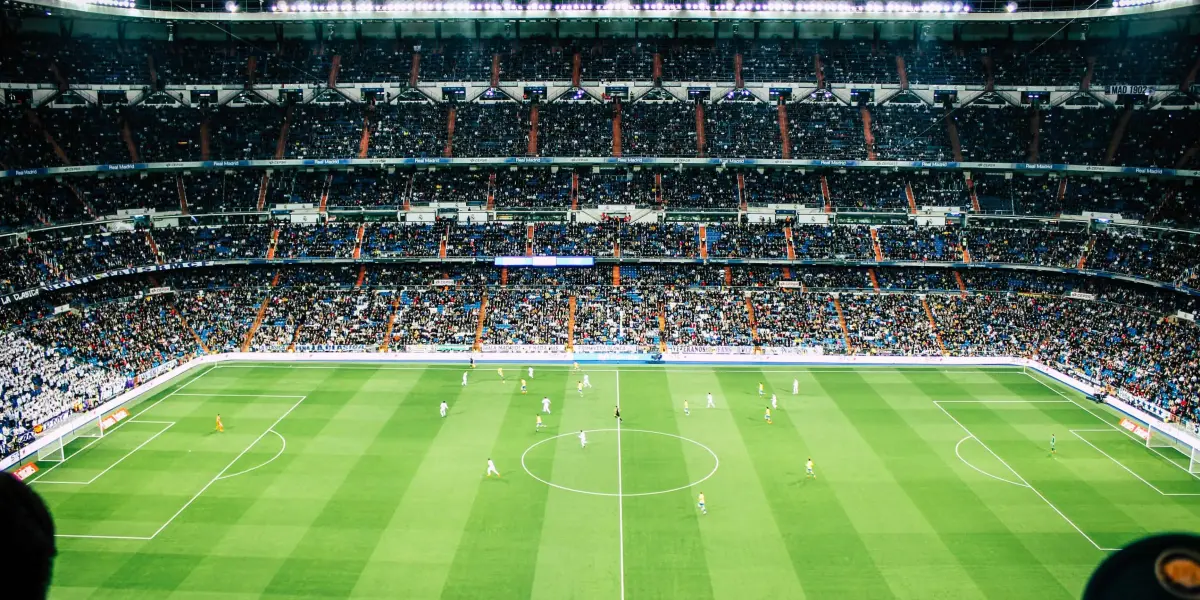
(342, 480)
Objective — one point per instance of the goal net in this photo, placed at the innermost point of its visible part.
(1180, 446)
(61, 448)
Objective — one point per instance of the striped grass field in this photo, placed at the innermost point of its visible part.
(335, 481)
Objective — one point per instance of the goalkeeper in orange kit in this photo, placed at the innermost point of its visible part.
(220, 426)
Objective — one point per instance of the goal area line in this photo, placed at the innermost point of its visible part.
(1023, 482)
(1111, 427)
(223, 474)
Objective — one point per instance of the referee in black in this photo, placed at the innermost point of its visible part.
(617, 413)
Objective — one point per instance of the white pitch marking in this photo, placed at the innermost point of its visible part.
(674, 368)
(968, 463)
(117, 426)
(223, 395)
(110, 467)
(283, 447)
(1004, 401)
(1111, 426)
(1023, 480)
(1075, 432)
(620, 491)
(716, 465)
(102, 537)
(231, 463)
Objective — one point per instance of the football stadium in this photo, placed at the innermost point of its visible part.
(599, 299)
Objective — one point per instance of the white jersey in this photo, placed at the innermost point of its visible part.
(445, 407)
(464, 378)
(582, 438)
(795, 386)
(531, 372)
(492, 468)
(710, 401)
(774, 401)
(545, 405)
(586, 381)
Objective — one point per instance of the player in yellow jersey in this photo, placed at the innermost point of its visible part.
(539, 424)
(767, 415)
(686, 412)
(700, 504)
(579, 388)
(220, 426)
(808, 469)
(500, 372)
(760, 389)
(523, 386)
(576, 366)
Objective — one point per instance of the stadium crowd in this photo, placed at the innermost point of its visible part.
(1121, 334)
(67, 349)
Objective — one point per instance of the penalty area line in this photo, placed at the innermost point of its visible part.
(114, 428)
(168, 424)
(1111, 426)
(282, 447)
(968, 463)
(215, 479)
(620, 492)
(1024, 481)
(231, 463)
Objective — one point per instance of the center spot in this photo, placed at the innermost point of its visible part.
(652, 462)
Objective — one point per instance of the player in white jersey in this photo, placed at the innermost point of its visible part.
(545, 404)
(774, 402)
(587, 382)
(444, 408)
(582, 439)
(531, 372)
(492, 469)
(795, 387)
(710, 401)
(464, 379)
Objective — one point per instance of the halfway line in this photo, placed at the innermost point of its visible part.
(620, 493)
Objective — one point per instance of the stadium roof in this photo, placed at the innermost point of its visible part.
(970, 11)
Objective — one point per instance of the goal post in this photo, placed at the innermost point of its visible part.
(1159, 435)
(91, 431)
(1167, 436)
(52, 452)
(57, 450)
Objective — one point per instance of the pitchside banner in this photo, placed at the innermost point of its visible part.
(507, 348)
(606, 349)
(673, 349)
(1135, 428)
(25, 472)
(113, 419)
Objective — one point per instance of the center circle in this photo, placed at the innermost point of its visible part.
(603, 450)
